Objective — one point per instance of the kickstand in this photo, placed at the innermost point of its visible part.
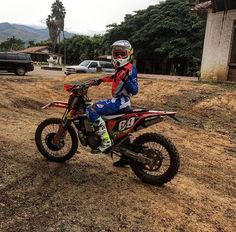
(112, 155)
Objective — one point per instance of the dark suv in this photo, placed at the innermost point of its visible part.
(18, 63)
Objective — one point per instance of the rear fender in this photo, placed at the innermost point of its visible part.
(152, 117)
(58, 104)
(169, 114)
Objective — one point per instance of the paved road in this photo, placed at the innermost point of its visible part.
(167, 77)
(38, 72)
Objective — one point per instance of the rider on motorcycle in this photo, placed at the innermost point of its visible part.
(124, 85)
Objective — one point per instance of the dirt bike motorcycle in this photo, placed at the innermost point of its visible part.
(152, 157)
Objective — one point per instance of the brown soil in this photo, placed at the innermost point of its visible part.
(88, 194)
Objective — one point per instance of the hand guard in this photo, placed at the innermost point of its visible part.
(97, 82)
(75, 91)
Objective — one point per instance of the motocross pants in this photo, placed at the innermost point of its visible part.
(107, 107)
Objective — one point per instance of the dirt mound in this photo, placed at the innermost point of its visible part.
(27, 103)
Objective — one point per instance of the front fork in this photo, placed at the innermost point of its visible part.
(61, 133)
(67, 119)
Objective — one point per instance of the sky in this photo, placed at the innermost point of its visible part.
(82, 16)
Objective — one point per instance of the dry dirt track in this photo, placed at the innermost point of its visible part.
(89, 194)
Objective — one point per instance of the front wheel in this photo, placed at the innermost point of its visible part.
(66, 146)
(163, 155)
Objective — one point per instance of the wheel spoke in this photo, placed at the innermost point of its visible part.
(160, 156)
(163, 158)
(53, 128)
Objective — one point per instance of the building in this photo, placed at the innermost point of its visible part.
(219, 53)
(42, 54)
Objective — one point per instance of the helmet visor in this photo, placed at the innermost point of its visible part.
(119, 54)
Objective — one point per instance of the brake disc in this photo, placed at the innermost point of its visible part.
(54, 147)
(156, 157)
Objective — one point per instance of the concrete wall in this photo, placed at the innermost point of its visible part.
(46, 50)
(217, 45)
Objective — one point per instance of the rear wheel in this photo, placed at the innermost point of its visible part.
(164, 158)
(64, 149)
(20, 71)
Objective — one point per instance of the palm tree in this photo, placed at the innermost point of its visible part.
(58, 13)
(53, 31)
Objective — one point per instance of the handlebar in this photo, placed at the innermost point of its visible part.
(82, 87)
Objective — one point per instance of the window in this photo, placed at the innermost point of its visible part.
(84, 63)
(233, 51)
(222, 5)
(93, 65)
(106, 64)
(102, 64)
(11, 56)
(2, 56)
(22, 57)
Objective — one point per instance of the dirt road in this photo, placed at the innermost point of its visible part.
(88, 193)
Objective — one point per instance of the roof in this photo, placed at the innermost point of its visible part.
(203, 6)
(216, 5)
(38, 49)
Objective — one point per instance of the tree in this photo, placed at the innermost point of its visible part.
(167, 34)
(58, 13)
(56, 22)
(81, 47)
(31, 43)
(12, 44)
(53, 31)
(167, 31)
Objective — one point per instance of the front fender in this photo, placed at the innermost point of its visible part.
(58, 104)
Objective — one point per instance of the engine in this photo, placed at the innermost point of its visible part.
(93, 140)
(86, 133)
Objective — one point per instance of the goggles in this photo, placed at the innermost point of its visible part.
(120, 54)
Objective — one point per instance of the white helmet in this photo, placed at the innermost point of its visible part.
(122, 53)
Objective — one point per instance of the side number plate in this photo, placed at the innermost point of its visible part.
(126, 124)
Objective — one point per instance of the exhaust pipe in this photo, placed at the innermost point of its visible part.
(149, 121)
(136, 156)
(152, 120)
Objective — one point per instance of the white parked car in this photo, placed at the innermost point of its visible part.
(90, 66)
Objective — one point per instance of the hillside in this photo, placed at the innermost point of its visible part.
(25, 33)
(88, 194)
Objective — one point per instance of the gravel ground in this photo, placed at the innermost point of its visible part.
(88, 194)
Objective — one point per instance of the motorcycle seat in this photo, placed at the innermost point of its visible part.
(122, 112)
(129, 110)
